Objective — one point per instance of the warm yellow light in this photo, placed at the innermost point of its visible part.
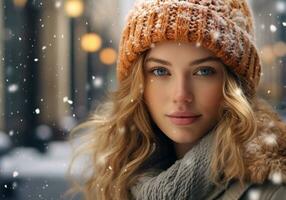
(108, 56)
(279, 49)
(20, 3)
(267, 55)
(90, 42)
(74, 8)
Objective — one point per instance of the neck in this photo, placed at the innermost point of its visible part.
(182, 149)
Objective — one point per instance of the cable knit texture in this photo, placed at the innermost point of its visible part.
(187, 178)
(225, 27)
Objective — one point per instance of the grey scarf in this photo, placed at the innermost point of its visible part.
(187, 178)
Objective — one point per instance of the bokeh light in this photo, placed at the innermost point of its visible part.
(91, 42)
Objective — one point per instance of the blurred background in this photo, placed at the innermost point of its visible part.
(57, 60)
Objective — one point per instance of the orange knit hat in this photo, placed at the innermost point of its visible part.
(225, 27)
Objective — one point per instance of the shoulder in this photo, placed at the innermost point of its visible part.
(265, 191)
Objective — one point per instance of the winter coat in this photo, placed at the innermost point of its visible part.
(265, 163)
(265, 191)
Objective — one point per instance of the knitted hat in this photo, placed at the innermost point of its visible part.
(225, 27)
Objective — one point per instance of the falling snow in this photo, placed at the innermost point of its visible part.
(254, 194)
(67, 100)
(13, 88)
(269, 139)
(101, 159)
(15, 174)
(215, 35)
(36, 59)
(273, 28)
(97, 82)
(198, 44)
(281, 6)
(284, 23)
(238, 92)
(276, 178)
(58, 4)
(11, 133)
(37, 111)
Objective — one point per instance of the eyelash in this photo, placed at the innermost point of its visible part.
(213, 71)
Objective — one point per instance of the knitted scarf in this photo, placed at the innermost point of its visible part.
(187, 178)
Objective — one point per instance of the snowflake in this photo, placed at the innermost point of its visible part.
(238, 92)
(158, 26)
(280, 6)
(11, 133)
(44, 47)
(37, 111)
(102, 159)
(254, 194)
(198, 44)
(273, 28)
(58, 4)
(97, 81)
(14, 185)
(276, 178)
(36, 59)
(152, 45)
(215, 34)
(66, 99)
(13, 88)
(284, 23)
(15, 174)
(269, 139)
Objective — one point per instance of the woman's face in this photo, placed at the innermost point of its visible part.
(183, 91)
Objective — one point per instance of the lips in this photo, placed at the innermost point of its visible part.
(182, 114)
(183, 118)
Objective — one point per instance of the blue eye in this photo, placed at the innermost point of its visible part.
(160, 71)
(206, 71)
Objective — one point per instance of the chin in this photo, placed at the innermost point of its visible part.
(183, 139)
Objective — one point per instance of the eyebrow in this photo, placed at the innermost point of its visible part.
(195, 62)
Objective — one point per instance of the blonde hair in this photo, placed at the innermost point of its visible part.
(121, 137)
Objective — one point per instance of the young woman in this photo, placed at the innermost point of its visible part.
(185, 121)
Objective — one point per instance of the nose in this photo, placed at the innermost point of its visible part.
(182, 92)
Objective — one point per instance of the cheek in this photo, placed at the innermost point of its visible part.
(210, 96)
(154, 92)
